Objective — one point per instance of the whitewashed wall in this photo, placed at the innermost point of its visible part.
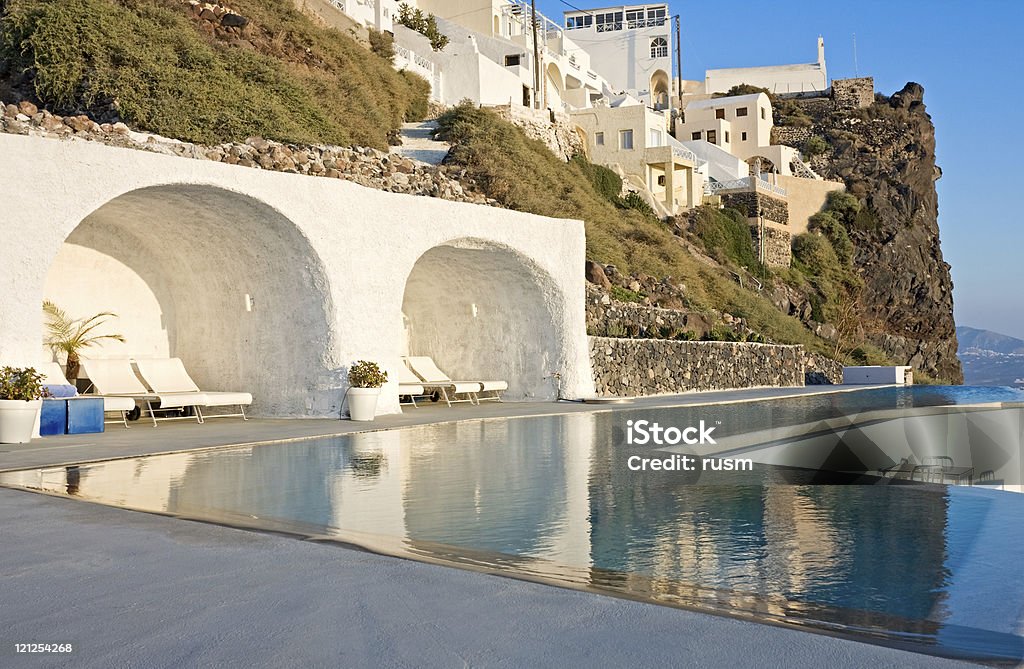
(325, 262)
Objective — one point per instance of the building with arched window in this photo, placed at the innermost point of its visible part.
(630, 45)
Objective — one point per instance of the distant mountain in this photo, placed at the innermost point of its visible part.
(990, 358)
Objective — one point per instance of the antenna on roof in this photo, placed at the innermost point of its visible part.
(856, 70)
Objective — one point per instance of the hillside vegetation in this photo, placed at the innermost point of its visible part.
(523, 174)
(162, 70)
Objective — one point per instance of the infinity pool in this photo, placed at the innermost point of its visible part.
(936, 568)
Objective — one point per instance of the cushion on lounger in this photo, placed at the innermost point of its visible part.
(493, 386)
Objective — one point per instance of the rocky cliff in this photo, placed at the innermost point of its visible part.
(885, 153)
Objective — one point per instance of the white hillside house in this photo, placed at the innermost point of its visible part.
(631, 45)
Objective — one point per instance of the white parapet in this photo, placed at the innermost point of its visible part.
(878, 375)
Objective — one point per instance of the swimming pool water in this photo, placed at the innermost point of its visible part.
(550, 498)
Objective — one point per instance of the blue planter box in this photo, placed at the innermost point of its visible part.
(85, 415)
(53, 418)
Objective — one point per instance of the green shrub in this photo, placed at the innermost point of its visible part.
(843, 206)
(836, 233)
(423, 23)
(725, 235)
(815, 145)
(636, 202)
(298, 83)
(22, 384)
(366, 374)
(814, 251)
(604, 180)
(382, 44)
(626, 295)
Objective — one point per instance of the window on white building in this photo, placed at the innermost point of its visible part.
(626, 139)
(743, 137)
(599, 138)
(574, 22)
(655, 138)
(512, 61)
(695, 135)
(720, 113)
(608, 22)
(741, 111)
(659, 47)
(712, 136)
(635, 18)
(762, 113)
(726, 136)
(657, 15)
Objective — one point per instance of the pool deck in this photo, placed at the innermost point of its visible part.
(139, 590)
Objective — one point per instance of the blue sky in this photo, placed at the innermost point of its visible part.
(967, 55)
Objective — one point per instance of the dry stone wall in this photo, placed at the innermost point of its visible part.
(362, 165)
(627, 367)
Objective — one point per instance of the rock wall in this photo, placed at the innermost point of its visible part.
(773, 244)
(848, 94)
(612, 318)
(754, 204)
(885, 154)
(625, 367)
(820, 370)
(557, 132)
(362, 165)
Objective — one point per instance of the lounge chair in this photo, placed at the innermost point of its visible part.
(116, 378)
(433, 377)
(53, 375)
(168, 375)
(409, 385)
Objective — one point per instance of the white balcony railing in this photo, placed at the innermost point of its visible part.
(684, 153)
(746, 183)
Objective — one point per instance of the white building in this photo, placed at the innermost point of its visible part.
(376, 14)
(779, 79)
(741, 125)
(630, 45)
(633, 139)
(500, 31)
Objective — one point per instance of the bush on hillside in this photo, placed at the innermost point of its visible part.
(825, 223)
(291, 80)
(725, 235)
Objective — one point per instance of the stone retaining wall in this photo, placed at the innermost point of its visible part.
(626, 367)
(558, 134)
(819, 370)
(362, 165)
(607, 317)
(754, 204)
(777, 242)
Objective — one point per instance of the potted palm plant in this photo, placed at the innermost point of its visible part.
(364, 379)
(69, 336)
(21, 398)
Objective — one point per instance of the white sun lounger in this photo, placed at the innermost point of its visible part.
(53, 375)
(116, 378)
(168, 375)
(433, 377)
(409, 385)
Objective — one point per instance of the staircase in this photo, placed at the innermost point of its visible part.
(418, 143)
(803, 170)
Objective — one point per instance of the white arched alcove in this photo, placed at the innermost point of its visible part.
(214, 277)
(482, 311)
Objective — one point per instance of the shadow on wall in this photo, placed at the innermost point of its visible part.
(483, 311)
(216, 278)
